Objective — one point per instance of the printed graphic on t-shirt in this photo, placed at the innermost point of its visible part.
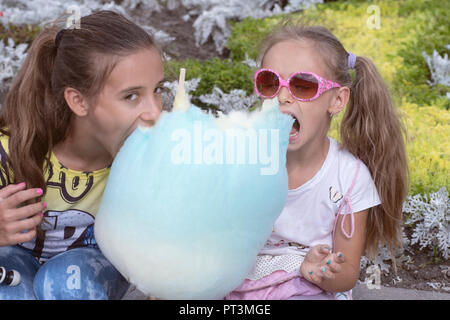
(62, 231)
(335, 195)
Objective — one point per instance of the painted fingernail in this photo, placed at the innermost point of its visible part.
(329, 262)
(42, 214)
(44, 204)
(39, 191)
(310, 272)
(326, 248)
(340, 255)
(21, 184)
(323, 269)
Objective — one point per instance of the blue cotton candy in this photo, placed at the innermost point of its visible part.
(192, 230)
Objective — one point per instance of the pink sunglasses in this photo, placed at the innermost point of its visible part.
(303, 86)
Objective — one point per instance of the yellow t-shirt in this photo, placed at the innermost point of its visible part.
(72, 197)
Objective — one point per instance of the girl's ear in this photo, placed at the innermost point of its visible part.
(339, 101)
(76, 102)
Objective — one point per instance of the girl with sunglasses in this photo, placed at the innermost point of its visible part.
(343, 199)
(79, 94)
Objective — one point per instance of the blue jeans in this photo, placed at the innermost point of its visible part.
(77, 274)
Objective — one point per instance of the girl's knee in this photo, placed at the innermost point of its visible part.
(82, 273)
(16, 258)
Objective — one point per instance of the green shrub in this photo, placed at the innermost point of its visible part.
(427, 145)
(246, 36)
(428, 20)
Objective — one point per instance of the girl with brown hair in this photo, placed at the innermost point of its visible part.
(344, 198)
(79, 94)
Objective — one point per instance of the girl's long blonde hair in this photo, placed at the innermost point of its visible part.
(371, 129)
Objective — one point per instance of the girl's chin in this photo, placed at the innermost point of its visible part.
(294, 146)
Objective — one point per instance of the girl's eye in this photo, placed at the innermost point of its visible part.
(159, 90)
(302, 87)
(131, 97)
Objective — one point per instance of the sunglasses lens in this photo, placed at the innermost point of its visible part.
(304, 86)
(267, 83)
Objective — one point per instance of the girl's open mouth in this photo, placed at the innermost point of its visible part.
(295, 131)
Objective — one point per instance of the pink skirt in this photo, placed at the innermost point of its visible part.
(279, 285)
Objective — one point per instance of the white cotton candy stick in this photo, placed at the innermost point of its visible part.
(181, 100)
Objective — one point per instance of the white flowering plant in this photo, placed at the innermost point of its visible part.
(439, 68)
(429, 215)
(212, 15)
(237, 99)
(11, 59)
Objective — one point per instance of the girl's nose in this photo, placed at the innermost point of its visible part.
(285, 97)
(151, 114)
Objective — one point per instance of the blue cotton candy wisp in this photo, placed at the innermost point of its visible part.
(190, 201)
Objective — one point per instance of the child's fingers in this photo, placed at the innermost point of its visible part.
(324, 249)
(21, 196)
(314, 276)
(11, 189)
(23, 236)
(327, 273)
(29, 210)
(317, 253)
(339, 257)
(334, 267)
(333, 263)
(26, 224)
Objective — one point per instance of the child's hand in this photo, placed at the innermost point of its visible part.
(18, 224)
(320, 264)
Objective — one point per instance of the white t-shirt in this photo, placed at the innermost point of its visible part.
(309, 214)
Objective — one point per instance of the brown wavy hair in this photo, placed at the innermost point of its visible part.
(36, 116)
(371, 129)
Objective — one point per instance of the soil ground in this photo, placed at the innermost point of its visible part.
(416, 269)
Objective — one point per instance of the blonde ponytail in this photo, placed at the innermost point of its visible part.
(371, 130)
